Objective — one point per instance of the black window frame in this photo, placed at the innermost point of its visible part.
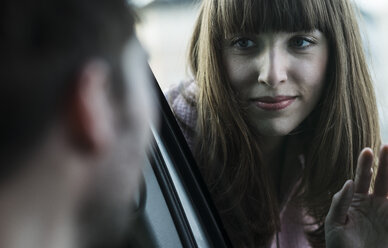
(191, 179)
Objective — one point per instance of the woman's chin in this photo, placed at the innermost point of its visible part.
(274, 131)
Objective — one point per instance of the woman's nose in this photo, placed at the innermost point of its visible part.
(273, 67)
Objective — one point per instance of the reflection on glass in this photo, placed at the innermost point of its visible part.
(279, 108)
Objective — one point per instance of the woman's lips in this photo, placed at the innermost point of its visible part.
(274, 103)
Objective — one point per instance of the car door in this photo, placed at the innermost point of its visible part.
(174, 208)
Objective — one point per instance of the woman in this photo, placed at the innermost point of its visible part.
(281, 107)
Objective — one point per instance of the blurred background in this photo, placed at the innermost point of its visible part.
(166, 26)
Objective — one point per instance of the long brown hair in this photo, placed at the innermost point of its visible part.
(227, 149)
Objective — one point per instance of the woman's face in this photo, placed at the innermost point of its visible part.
(279, 75)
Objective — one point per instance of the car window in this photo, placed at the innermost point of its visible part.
(166, 26)
(165, 31)
(191, 194)
(174, 208)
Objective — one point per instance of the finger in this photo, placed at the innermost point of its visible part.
(364, 173)
(381, 184)
(340, 204)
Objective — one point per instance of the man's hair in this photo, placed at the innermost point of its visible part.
(43, 46)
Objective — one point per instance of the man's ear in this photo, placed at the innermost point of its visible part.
(90, 112)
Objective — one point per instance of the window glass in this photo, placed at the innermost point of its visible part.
(165, 31)
(374, 26)
(166, 27)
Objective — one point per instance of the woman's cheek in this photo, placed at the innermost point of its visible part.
(240, 73)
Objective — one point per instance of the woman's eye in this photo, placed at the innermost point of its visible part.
(300, 42)
(244, 43)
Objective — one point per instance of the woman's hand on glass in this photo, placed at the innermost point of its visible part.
(357, 218)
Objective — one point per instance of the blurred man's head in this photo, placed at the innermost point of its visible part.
(74, 111)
